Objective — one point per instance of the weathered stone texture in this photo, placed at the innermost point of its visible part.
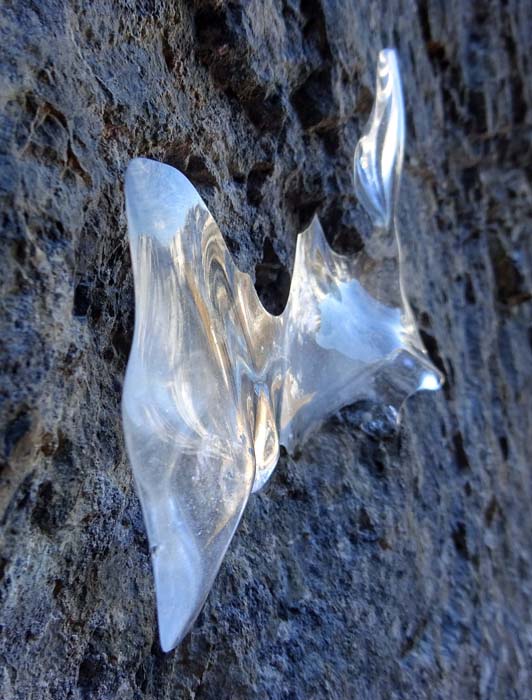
(392, 569)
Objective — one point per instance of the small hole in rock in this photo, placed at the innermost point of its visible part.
(81, 299)
(459, 451)
(503, 443)
(460, 540)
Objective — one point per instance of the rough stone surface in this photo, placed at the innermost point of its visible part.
(391, 568)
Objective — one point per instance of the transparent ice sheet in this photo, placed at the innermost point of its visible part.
(215, 383)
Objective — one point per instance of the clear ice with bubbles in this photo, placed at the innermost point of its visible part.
(215, 384)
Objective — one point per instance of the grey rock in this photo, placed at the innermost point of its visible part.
(376, 564)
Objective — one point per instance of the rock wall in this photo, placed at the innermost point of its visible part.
(397, 567)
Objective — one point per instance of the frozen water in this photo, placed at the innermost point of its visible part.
(215, 383)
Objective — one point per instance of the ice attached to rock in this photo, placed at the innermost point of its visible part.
(215, 383)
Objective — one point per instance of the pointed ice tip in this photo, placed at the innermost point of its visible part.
(166, 638)
(177, 574)
(388, 56)
(169, 636)
(430, 382)
(173, 614)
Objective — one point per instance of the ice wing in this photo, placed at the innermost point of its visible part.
(183, 403)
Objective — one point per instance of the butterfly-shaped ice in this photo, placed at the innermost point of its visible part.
(215, 383)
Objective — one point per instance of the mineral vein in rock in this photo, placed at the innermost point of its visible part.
(215, 383)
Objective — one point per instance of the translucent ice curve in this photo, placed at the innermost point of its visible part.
(215, 383)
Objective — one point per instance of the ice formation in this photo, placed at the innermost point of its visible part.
(215, 383)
